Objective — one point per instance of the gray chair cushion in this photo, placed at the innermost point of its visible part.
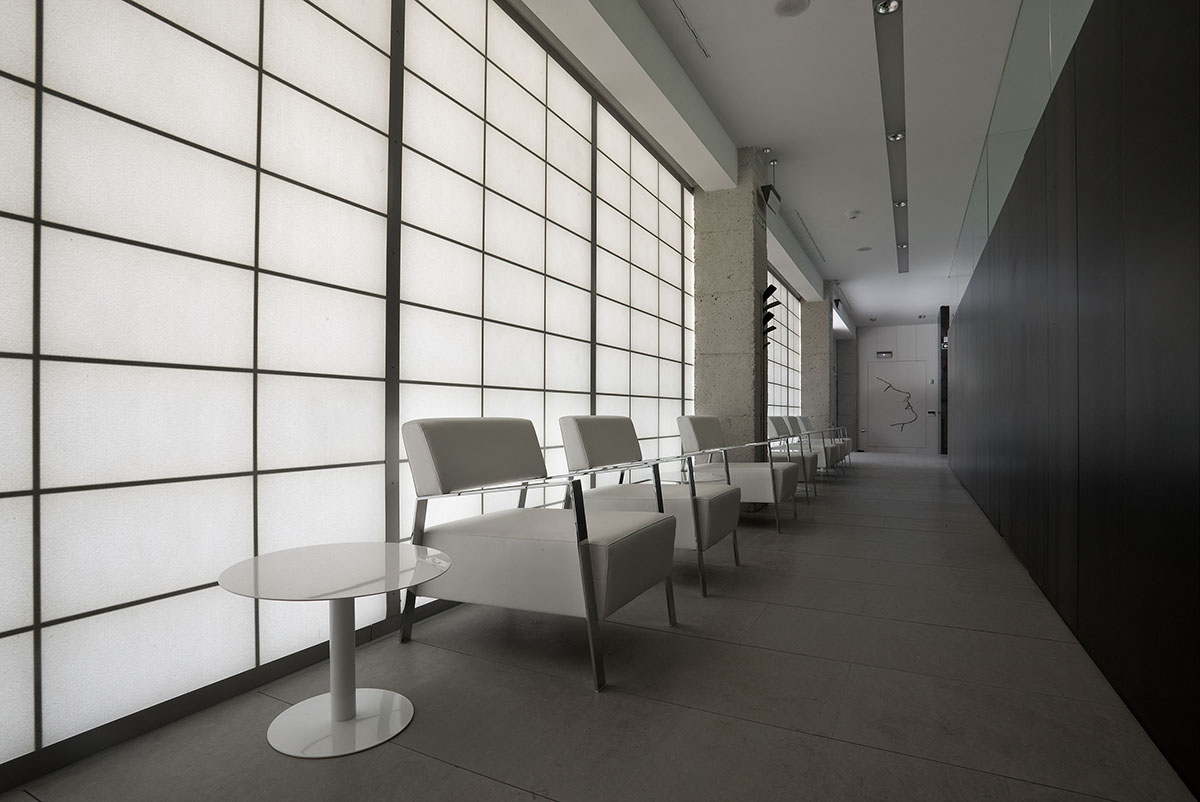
(527, 559)
(717, 505)
(449, 454)
(595, 441)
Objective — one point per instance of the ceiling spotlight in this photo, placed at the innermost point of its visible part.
(791, 8)
(900, 204)
(901, 245)
(873, 319)
(920, 317)
(895, 136)
(864, 249)
(887, 6)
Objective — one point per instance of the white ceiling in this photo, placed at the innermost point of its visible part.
(808, 87)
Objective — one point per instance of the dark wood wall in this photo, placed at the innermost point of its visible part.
(1074, 399)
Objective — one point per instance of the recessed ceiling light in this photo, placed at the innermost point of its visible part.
(793, 8)
(887, 6)
(895, 136)
(900, 204)
(873, 319)
(901, 245)
(920, 317)
(864, 249)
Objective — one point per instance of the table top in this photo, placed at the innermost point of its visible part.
(334, 571)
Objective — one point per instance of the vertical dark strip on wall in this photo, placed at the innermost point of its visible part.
(254, 377)
(36, 375)
(391, 447)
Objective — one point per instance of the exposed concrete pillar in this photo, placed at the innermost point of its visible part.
(817, 363)
(731, 274)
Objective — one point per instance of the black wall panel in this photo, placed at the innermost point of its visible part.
(1074, 375)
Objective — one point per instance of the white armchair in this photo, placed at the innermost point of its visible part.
(767, 482)
(562, 562)
(705, 513)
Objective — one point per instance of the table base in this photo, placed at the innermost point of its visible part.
(307, 729)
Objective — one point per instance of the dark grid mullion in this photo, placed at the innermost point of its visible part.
(204, 477)
(92, 360)
(258, 137)
(36, 375)
(487, 13)
(394, 267)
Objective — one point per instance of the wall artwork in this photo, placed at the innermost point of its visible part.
(896, 404)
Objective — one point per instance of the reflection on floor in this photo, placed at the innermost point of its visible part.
(886, 645)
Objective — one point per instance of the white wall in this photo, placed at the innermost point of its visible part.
(914, 354)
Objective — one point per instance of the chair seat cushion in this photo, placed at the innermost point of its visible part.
(527, 559)
(806, 459)
(717, 505)
(752, 479)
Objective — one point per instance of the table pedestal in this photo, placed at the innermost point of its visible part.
(347, 719)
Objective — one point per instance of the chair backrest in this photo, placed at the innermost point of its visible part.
(593, 441)
(449, 454)
(807, 423)
(699, 432)
(778, 426)
(795, 425)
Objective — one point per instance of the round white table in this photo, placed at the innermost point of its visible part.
(347, 719)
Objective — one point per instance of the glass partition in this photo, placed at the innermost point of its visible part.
(1043, 36)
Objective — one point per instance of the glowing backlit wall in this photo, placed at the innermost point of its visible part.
(192, 276)
(783, 354)
(498, 244)
(195, 295)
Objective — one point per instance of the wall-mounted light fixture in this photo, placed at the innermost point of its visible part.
(770, 195)
(883, 354)
(887, 6)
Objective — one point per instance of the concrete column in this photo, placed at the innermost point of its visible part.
(817, 362)
(731, 274)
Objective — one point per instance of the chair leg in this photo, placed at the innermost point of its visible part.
(593, 627)
(670, 586)
(700, 568)
(737, 558)
(778, 525)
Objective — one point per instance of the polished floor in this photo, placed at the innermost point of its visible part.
(885, 646)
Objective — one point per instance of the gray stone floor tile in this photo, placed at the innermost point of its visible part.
(1029, 792)
(541, 733)
(1036, 619)
(223, 754)
(772, 687)
(938, 651)
(1065, 743)
(1041, 666)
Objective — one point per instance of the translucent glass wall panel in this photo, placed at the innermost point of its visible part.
(16, 563)
(190, 298)
(140, 541)
(16, 424)
(16, 286)
(17, 37)
(16, 695)
(121, 423)
(141, 655)
(16, 147)
(110, 300)
(783, 354)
